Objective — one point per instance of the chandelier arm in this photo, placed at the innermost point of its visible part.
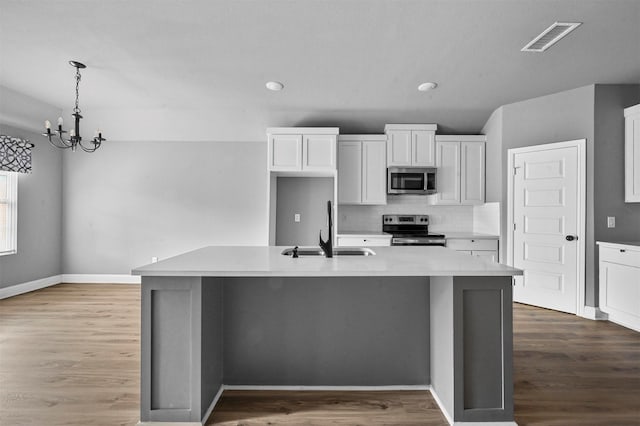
(86, 149)
(61, 144)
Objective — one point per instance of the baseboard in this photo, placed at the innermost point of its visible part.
(100, 279)
(205, 418)
(441, 405)
(328, 388)
(594, 313)
(213, 405)
(17, 289)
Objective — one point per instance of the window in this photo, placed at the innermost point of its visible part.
(8, 212)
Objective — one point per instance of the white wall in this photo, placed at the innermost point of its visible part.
(130, 201)
(493, 130)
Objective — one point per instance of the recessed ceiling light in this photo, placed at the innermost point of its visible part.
(274, 85)
(425, 87)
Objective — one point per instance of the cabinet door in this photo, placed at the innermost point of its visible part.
(448, 174)
(374, 172)
(491, 255)
(285, 152)
(423, 148)
(399, 148)
(319, 152)
(620, 293)
(472, 172)
(632, 158)
(350, 172)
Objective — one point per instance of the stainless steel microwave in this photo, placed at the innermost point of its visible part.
(411, 180)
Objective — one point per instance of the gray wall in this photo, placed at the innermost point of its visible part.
(554, 118)
(39, 215)
(131, 201)
(307, 196)
(610, 100)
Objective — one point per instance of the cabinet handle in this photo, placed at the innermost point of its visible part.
(623, 251)
(473, 241)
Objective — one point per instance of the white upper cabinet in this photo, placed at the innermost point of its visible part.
(410, 145)
(472, 172)
(448, 172)
(423, 148)
(460, 163)
(302, 149)
(374, 176)
(362, 169)
(349, 172)
(285, 152)
(632, 154)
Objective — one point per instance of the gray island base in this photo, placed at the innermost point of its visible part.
(247, 317)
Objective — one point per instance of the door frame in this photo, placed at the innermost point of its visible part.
(581, 145)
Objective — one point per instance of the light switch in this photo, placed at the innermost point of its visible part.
(296, 217)
(611, 221)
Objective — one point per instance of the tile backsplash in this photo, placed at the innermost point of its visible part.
(441, 218)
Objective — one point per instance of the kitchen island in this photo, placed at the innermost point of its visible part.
(408, 317)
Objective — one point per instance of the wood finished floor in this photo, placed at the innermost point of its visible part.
(69, 355)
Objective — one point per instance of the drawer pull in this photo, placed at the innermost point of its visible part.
(473, 241)
(623, 251)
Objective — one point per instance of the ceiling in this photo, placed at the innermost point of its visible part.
(196, 70)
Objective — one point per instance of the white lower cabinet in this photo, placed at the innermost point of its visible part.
(487, 248)
(620, 284)
(363, 241)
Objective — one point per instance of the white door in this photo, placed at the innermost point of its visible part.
(546, 218)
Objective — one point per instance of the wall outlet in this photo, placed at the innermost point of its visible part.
(611, 221)
(296, 217)
(154, 259)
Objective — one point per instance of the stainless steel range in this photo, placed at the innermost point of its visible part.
(410, 230)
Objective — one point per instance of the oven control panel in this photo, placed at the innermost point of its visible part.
(397, 219)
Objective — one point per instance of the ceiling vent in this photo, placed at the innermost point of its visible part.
(550, 36)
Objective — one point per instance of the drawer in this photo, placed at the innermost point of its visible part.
(620, 256)
(472, 244)
(487, 254)
(363, 241)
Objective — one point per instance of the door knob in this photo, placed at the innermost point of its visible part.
(571, 237)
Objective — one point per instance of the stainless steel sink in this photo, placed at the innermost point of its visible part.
(338, 251)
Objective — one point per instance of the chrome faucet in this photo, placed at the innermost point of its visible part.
(327, 246)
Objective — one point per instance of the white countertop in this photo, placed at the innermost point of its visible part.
(452, 235)
(266, 261)
(631, 245)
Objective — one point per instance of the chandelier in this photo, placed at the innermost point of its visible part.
(57, 138)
